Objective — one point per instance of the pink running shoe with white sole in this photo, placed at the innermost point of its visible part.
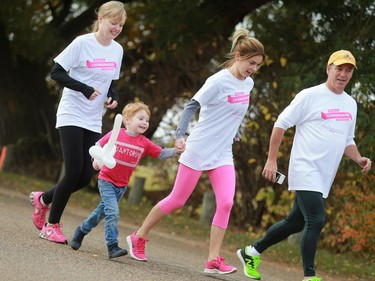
(39, 215)
(218, 266)
(53, 233)
(137, 247)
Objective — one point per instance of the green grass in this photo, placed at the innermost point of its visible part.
(181, 224)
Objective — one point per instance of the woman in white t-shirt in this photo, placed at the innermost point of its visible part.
(223, 102)
(86, 69)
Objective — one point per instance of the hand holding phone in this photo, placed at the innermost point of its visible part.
(279, 178)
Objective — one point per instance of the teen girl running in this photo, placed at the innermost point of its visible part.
(223, 101)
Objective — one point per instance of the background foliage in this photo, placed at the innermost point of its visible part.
(171, 47)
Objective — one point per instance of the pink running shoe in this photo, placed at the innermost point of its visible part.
(137, 247)
(218, 266)
(39, 215)
(53, 233)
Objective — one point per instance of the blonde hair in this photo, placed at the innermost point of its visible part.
(132, 108)
(113, 10)
(245, 45)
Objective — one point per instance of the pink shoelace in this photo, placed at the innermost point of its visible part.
(140, 244)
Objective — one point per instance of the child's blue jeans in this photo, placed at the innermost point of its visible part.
(107, 209)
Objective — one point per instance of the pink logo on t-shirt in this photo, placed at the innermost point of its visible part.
(336, 114)
(240, 97)
(102, 64)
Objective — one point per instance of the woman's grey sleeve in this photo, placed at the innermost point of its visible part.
(191, 107)
(167, 153)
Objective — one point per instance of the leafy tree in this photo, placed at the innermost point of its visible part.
(168, 45)
(299, 37)
(31, 34)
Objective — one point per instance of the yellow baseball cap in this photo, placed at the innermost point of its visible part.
(341, 57)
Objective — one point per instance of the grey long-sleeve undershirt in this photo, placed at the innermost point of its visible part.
(191, 107)
(167, 153)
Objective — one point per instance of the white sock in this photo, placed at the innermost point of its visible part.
(251, 251)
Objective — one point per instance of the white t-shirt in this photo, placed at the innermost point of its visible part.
(224, 100)
(95, 65)
(325, 125)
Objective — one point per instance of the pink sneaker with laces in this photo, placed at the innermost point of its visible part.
(218, 266)
(137, 247)
(39, 215)
(53, 233)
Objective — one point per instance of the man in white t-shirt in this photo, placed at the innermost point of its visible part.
(325, 118)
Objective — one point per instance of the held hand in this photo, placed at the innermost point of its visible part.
(180, 145)
(365, 164)
(94, 95)
(95, 165)
(237, 137)
(111, 104)
(270, 169)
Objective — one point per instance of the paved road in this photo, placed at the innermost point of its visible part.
(24, 256)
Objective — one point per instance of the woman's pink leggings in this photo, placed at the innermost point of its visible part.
(223, 182)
